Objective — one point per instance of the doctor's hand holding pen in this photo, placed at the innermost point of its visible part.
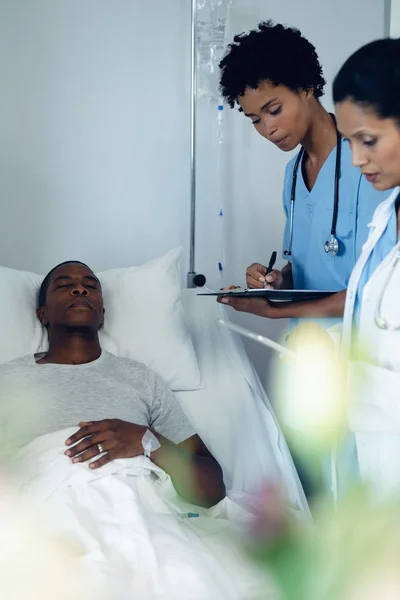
(258, 276)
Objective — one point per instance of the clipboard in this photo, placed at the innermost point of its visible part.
(274, 295)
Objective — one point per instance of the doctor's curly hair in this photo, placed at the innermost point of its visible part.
(274, 53)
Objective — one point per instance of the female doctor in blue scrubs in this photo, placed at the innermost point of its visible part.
(274, 75)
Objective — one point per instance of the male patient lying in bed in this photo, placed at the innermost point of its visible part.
(113, 401)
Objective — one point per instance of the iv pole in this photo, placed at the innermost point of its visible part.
(193, 280)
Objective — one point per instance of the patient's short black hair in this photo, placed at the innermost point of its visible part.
(274, 53)
(371, 78)
(46, 281)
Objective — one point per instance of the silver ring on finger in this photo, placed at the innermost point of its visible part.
(100, 448)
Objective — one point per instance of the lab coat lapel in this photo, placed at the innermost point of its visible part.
(378, 226)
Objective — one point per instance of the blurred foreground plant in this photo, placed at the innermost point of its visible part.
(352, 553)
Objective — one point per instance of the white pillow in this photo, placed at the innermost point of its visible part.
(20, 330)
(144, 318)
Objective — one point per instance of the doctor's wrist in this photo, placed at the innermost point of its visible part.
(273, 312)
(289, 310)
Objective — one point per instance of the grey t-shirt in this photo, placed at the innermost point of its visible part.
(36, 399)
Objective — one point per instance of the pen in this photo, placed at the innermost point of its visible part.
(271, 263)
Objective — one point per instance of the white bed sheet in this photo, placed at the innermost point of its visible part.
(130, 532)
(231, 412)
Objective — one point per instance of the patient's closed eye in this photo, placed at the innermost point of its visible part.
(65, 284)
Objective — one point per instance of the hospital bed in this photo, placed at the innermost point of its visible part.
(231, 411)
(215, 382)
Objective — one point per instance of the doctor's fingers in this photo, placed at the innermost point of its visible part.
(274, 279)
(254, 282)
(255, 306)
(255, 275)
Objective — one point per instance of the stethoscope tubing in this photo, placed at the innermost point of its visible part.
(332, 245)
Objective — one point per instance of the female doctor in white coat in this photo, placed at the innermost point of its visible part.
(367, 97)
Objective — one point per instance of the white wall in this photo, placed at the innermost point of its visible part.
(394, 18)
(94, 135)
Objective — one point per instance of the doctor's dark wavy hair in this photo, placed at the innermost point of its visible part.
(273, 53)
(46, 281)
(371, 78)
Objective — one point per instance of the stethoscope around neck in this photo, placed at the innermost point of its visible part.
(331, 246)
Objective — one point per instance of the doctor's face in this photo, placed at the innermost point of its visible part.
(375, 143)
(278, 114)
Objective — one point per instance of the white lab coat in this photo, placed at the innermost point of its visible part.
(375, 385)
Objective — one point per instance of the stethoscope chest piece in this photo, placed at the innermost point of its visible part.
(332, 246)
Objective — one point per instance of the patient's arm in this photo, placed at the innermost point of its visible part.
(196, 475)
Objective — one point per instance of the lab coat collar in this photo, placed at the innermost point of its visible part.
(377, 227)
(383, 211)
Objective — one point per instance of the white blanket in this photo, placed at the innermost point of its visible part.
(135, 538)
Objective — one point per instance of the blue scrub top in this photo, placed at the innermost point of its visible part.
(382, 248)
(312, 267)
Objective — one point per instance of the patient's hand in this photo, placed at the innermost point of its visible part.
(113, 437)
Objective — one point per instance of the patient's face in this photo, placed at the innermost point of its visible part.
(74, 299)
